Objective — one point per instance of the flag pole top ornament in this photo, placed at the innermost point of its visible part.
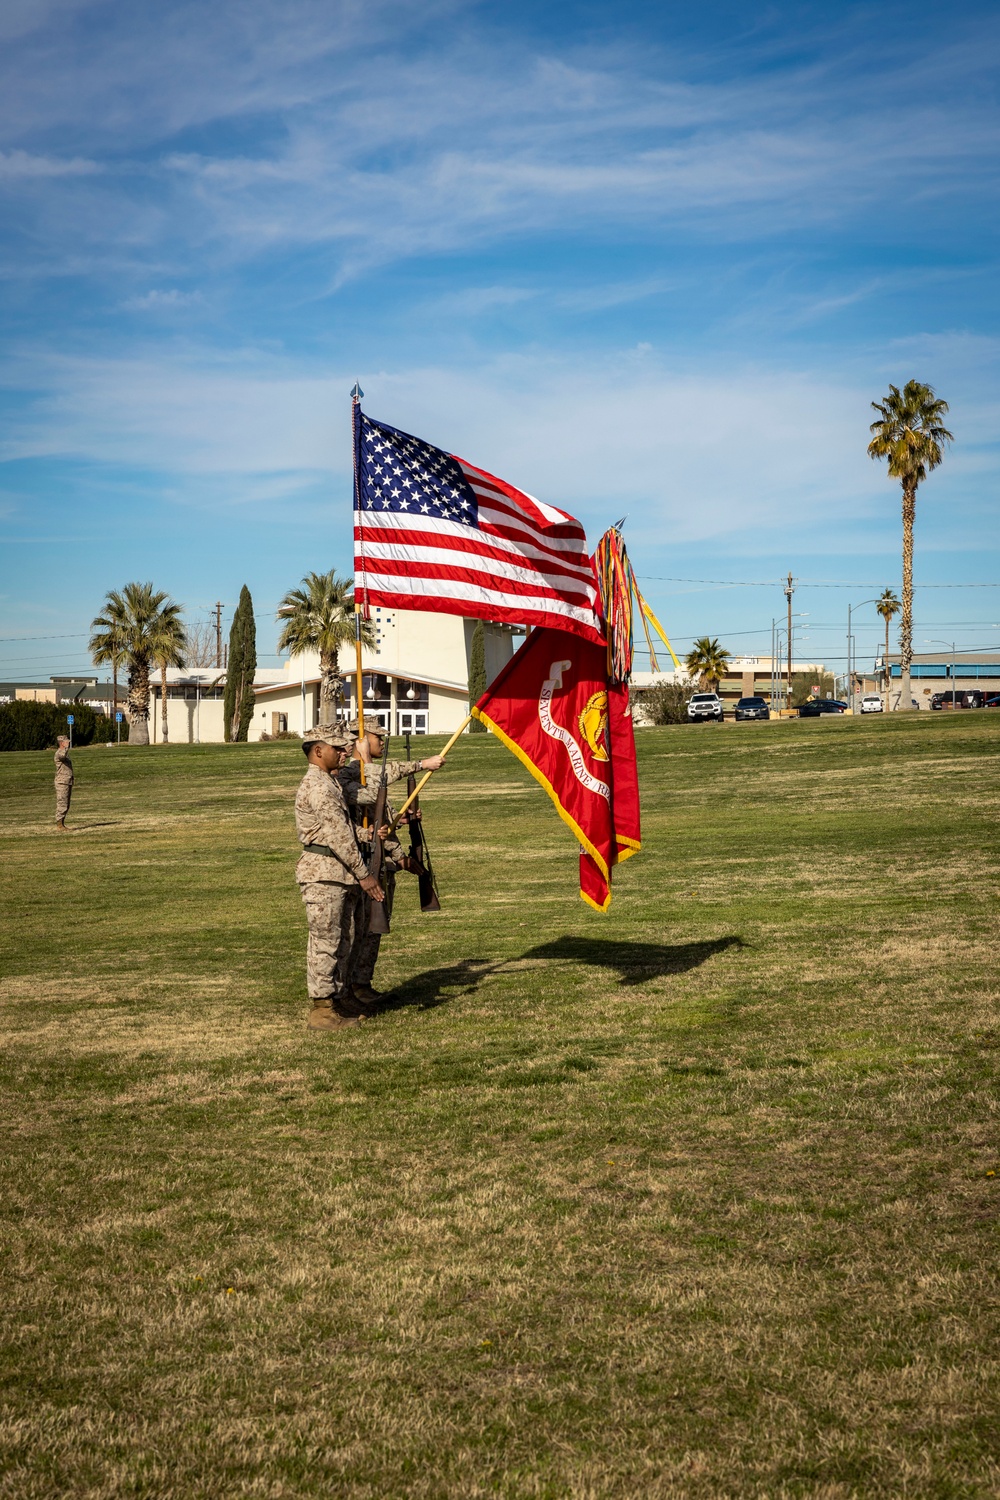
(357, 394)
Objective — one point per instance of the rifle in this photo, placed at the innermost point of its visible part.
(378, 920)
(420, 853)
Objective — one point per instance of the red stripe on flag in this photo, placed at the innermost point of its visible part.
(554, 616)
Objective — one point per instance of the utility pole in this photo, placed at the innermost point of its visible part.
(218, 633)
(789, 591)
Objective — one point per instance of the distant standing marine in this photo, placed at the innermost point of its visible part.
(64, 782)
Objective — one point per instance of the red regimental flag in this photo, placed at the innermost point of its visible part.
(552, 706)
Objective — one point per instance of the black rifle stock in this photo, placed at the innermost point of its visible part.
(421, 855)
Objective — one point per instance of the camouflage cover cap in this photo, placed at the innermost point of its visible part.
(329, 734)
(372, 726)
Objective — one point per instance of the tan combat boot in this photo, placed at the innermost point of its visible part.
(323, 1017)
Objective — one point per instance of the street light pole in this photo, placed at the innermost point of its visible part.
(789, 591)
(850, 650)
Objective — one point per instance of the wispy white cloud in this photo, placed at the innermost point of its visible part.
(169, 299)
(355, 135)
(24, 166)
(690, 454)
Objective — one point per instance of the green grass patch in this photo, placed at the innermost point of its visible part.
(694, 1200)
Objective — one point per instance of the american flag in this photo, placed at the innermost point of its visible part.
(433, 532)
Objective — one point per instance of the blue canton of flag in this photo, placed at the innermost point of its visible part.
(397, 472)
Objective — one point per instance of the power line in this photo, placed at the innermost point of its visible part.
(76, 636)
(772, 583)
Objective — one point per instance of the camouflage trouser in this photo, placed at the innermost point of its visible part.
(332, 912)
(364, 954)
(64, 791)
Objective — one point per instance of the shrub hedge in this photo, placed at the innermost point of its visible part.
(37, 726)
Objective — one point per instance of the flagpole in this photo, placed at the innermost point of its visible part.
(360, 684)
(356, 395)
(425, 778)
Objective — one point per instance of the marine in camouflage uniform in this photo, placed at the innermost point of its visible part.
(64, 782)
(361, 801)
(331, 875)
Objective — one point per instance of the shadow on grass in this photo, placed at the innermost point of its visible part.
(437, 986)
(633, 963)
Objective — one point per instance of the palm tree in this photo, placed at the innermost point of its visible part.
(106, 642)
(131, 627)
(319, 616)
(910, 434)
(888, 606)
(707, 661)
(168, 645)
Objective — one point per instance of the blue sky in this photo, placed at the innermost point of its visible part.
(655, 263)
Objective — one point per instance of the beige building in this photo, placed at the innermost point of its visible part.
(195, 704)
(414, 680)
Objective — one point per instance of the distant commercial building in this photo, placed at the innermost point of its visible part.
(99, 695)
(937, 672)
(748, 677)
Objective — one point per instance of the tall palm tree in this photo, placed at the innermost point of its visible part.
(888, 607)
(707, 661)
(168, 645)
(909, 433)
(319, 616)
(131, 625)
(106, 641)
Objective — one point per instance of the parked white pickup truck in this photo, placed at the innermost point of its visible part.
(705, 706)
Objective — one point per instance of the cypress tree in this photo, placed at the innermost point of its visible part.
(477, 673)
(238, 703)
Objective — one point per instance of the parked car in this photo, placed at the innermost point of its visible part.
(705, 706)
(814, 707)
(992, 703)
(752, 708)
(871, 703)
(959, 698)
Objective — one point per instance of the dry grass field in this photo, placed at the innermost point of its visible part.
(693, 1200)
